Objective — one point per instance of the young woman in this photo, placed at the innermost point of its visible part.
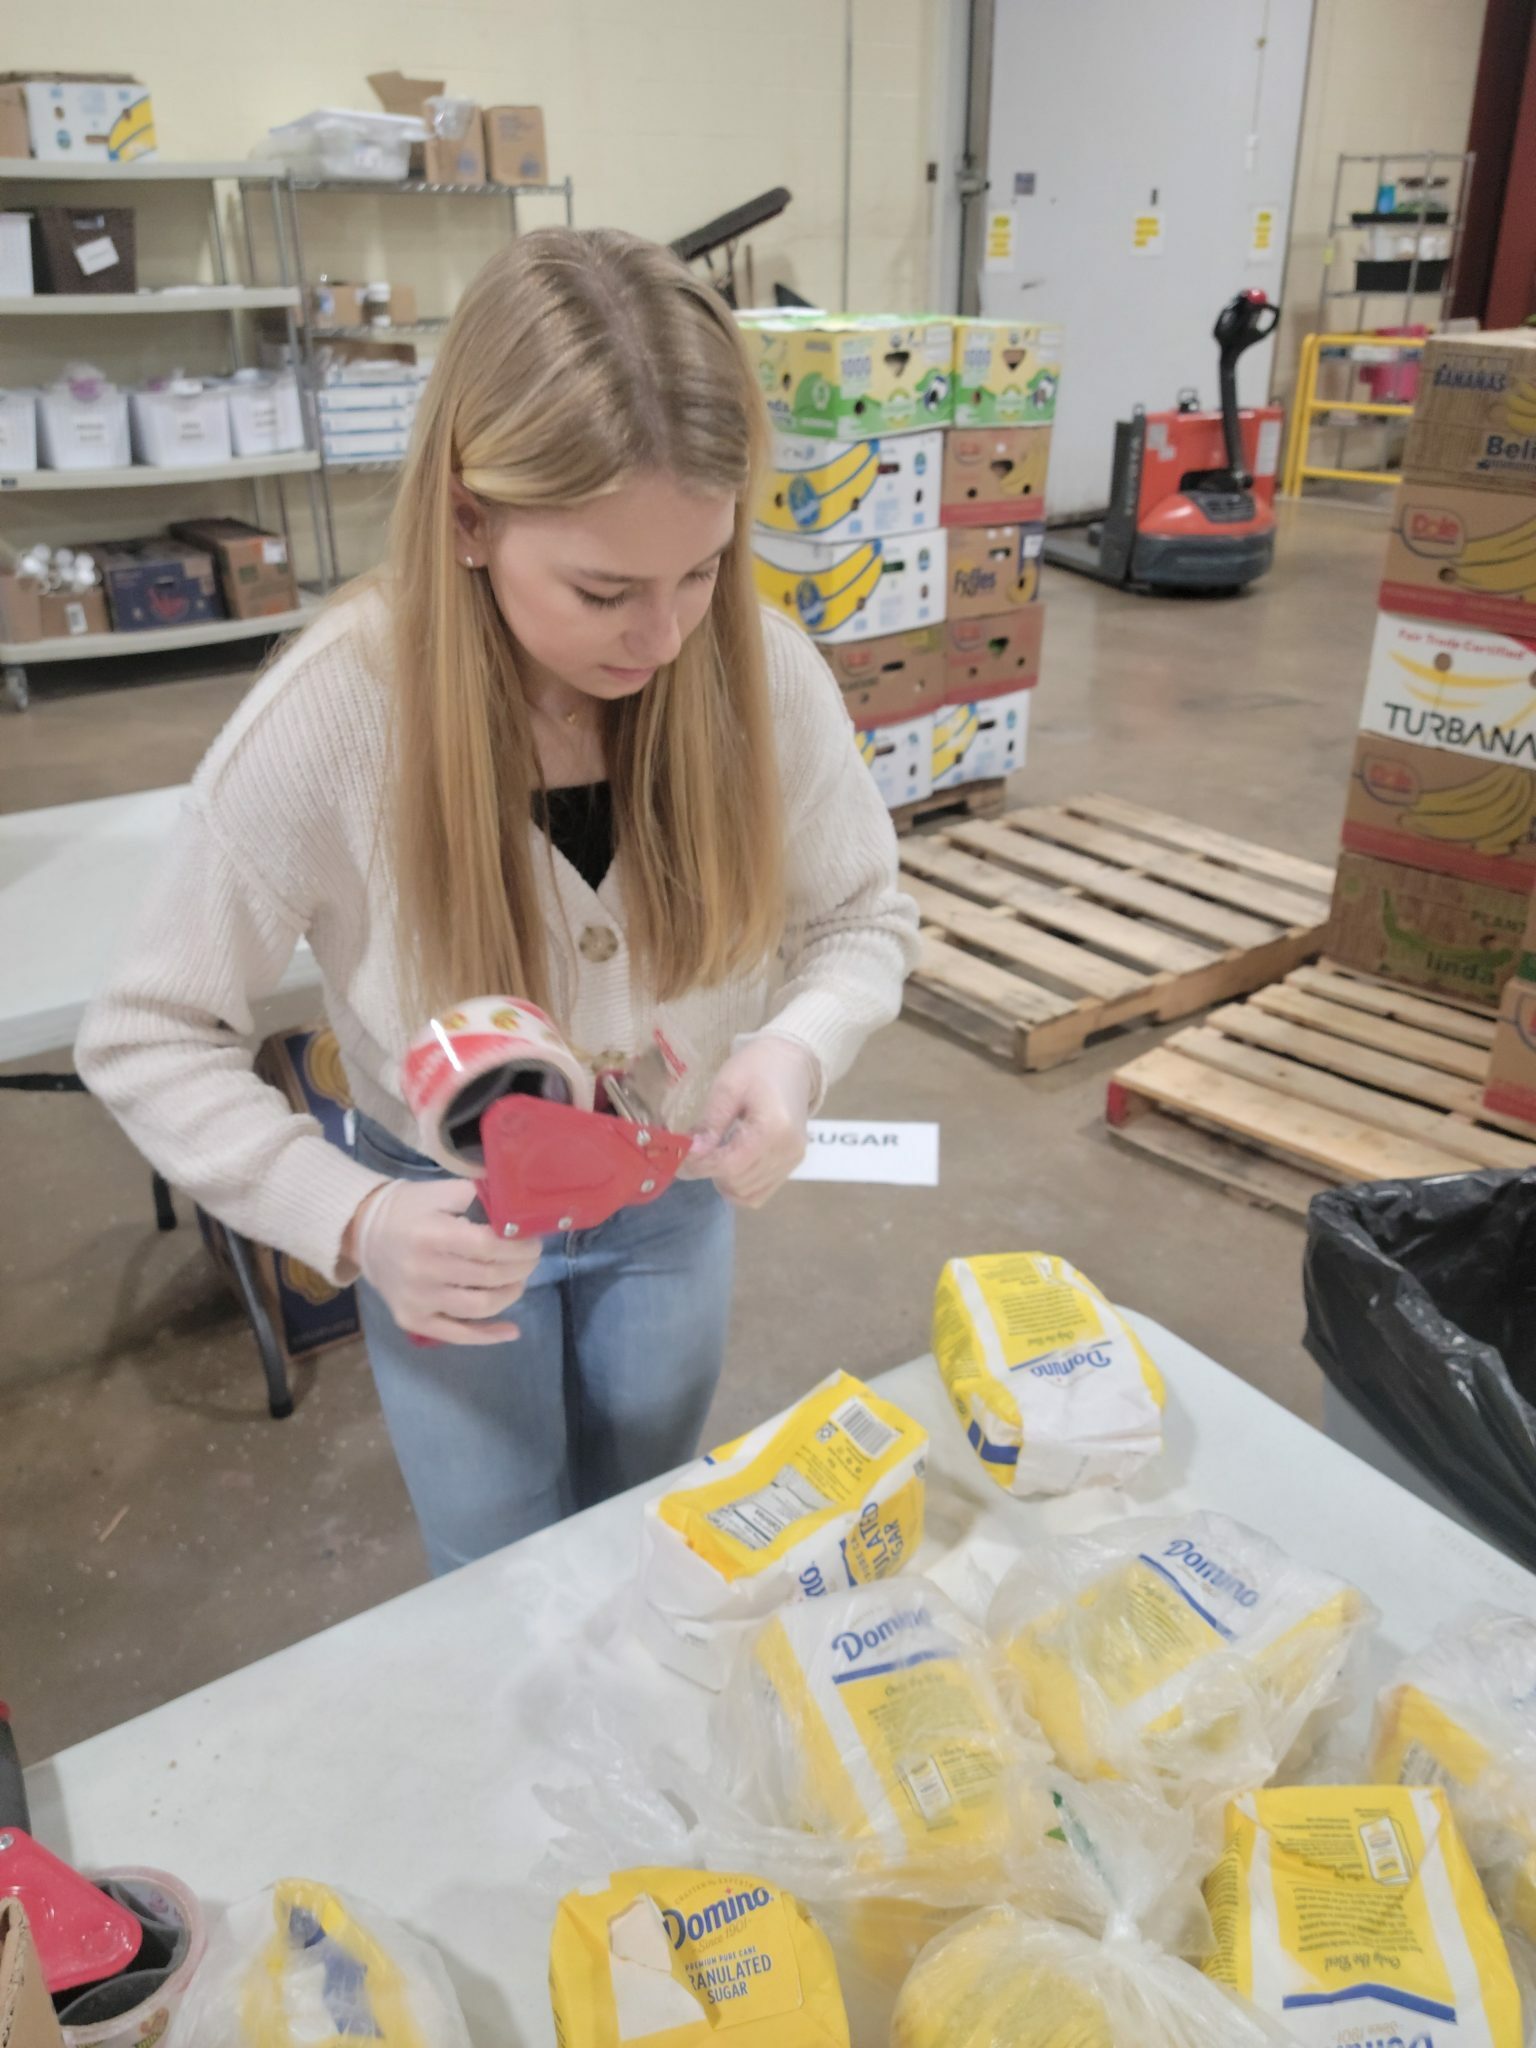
(554, 750)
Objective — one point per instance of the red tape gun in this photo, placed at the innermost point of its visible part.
(550, 1167)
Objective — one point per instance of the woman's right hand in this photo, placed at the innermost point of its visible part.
(441, 1276)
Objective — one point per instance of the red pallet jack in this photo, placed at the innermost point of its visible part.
(1192, 494)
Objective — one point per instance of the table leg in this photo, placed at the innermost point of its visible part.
(279, 1394)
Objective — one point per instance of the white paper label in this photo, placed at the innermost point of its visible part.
(274, 551)
(98, 255)
(74, 619)
(889, 1155)
(1267, 453)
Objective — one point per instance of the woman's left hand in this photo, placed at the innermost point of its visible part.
(752, 1136)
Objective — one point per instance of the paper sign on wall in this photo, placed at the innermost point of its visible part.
(1147, 233)
(892, 1155)
(1263, 234)
(1000, 239)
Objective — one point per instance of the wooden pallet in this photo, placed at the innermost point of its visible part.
(1052, 925)
(1330, 1077)
(971, 800)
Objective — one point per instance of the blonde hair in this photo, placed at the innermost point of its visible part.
(577, 360)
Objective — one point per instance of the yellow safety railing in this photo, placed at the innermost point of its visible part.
(1306, 405)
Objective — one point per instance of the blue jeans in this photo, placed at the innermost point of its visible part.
(623, 1336)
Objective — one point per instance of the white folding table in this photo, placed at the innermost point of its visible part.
(397, 1753)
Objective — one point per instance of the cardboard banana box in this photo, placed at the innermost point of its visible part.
(992, 656)
(838, 492)
(992, 568)
(887, 682)
(1463, 554)
(1007, 373)
(1433, 932)
(1443, 685)
(1430, 808)
(900, 757)
(978, 741)
(843, 378)
(1474, 420)
(854, 589)
(994, 476)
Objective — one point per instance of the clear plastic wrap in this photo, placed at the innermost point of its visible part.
(1185, 1653)
(1001, 1979)
(301, 1966)
(1053, 1387)
(1461, 1714)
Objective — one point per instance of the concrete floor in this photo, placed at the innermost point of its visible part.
(156, 1529)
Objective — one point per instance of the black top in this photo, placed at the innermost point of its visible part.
(579, 822)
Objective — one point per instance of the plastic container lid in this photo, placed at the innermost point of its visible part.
(378, 127)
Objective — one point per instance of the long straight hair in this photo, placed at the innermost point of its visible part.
(577, 360)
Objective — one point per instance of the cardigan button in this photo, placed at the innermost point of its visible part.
(598, 943)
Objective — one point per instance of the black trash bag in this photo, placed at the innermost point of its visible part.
(1421, 1310)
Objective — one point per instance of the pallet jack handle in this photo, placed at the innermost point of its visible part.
(1248, 318)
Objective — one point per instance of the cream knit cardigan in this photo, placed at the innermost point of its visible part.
(280, 837)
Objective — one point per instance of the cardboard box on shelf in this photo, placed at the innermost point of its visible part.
(857, 589)
(1435, 932)
(1428, 807)
(15, 140)
(1474, 420)
(156, 582)
(84, 249)
(515, 150)
(995, 476)
(842, 378)
(333, 303)
(27, 2017)
(254, 571)
(27, 613)
(1463, 553)
(1006, 373)
(1452, 686)
(85, 116)
(993, 656)
(891, 680)
(454, 152)
(992, 568)
(900, 758)
(980, 740)
(889, 485)
(309, 1313)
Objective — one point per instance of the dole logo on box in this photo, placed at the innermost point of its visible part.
(1430, 531)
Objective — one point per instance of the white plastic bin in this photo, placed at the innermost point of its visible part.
(82, 423)
(339, 142)
(18, 430)
(181, 425)
(16, 280)
(264, 414)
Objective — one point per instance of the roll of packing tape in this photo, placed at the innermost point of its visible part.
(137, 2007)
(472, 1056)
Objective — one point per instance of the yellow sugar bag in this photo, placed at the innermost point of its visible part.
(676, 1958)
(1462, 1715)
(1184, 1653)
(1052, 1386)
(825, 1496)
(1353, 1914)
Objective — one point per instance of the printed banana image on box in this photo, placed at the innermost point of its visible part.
(1463, 554)
(977, 742)
(900, 758)
(1475, 417)
(1452, 686)
(1431, 808)
(889, 485)
(854, 590)
(1006, 373)
(845, 379)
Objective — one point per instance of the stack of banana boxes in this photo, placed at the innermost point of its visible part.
(901, 525)
(1439, 862)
